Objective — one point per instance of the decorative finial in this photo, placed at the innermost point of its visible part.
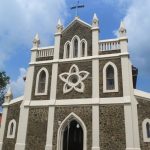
(95, 22)
(36, 41)
(8, 95)
(122, 30)
(59, 26)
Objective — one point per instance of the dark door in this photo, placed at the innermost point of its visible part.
(73, 136)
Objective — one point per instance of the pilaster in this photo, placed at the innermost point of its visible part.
(3, 125)
(49, 142)
(49, 139)
(95, 84)
(24, 111)
(22, 128)
(130, 109)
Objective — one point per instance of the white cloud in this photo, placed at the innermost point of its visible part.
(21, 19)
(121, 5)
(137, 22)
(18, 85)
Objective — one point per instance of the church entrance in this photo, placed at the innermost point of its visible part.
(73, 136)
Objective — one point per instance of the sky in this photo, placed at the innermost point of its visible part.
(20, 20)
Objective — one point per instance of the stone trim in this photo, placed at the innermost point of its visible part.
(37, 82)
(109, 56)
(9, 135)
(84, 101)
(115, 78)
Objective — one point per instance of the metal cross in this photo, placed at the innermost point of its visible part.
(77, 6)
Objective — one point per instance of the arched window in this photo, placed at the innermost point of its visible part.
(11, 129)
(75, 48)
(83, 47)
(146, 130)
(41, 82)
(67, 48)
(68, 51)
(83, 50)
(110, 78)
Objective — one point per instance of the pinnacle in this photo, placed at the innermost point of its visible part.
(37, 37)
(122, 25)
(9, 91)
(59, 23)
(95, 17)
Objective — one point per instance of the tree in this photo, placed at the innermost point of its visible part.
(4, 80)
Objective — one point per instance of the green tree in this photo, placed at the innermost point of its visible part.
(4, 80)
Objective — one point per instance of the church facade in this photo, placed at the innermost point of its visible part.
(79, 95)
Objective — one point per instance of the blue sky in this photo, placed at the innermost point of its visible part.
(20, 20)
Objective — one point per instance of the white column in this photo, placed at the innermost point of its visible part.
(49, 139)
(95, 108)
(50, 125)
(95, 128)
(3, 125)
(95, 42)
(131, 123)
(22, 128)
(95, 85)
(24, 111)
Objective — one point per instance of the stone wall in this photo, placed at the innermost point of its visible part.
(84, 112)
(83, 31)
(37, 128)
(117, 62)
(41, 97)
(112, 127)
(143, 108)
(13, 113)
(83, 66)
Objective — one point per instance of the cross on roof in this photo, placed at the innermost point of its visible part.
(77, 6)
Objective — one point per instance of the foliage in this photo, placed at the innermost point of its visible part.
(4, 80)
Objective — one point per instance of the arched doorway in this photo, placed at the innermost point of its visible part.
(73, 136)
(72, 126)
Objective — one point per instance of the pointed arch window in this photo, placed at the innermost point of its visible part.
(41, 82)
(110, 78)
(11, 129)
(83, 47)
(75, 47)
(146, 130)
(67, 48)
(68, 51)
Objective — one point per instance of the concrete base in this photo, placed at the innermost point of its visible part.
(133, 148)
(20, 146)
(48, 147)
(95, 148)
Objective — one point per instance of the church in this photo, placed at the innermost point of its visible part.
(80, 94)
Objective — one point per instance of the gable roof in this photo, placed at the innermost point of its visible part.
(77, 19)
